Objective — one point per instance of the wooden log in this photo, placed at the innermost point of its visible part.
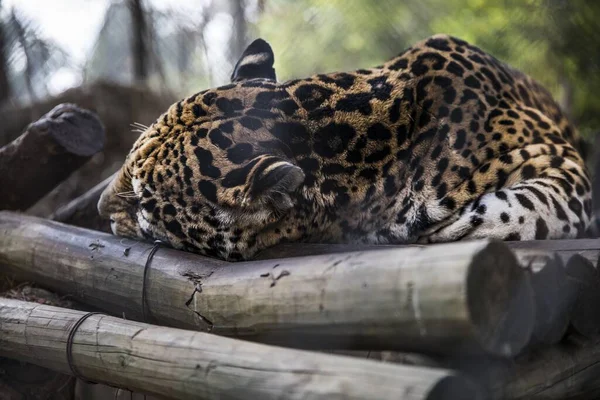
(560, 300)
(448, 298)
(393, 357)
(555, 298)
(531, 250)
(568, 370)
(46, 154)
(585, 317)
(182, 364)
(289, 250)
(23, 381)
(83, 211)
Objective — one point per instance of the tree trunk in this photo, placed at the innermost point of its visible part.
(20, 31)
(4, 82)
(50, 149)
(238, 34)
(139, 41)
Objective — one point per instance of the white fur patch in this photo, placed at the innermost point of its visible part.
(136, 183)
(113, 227)
(142, 221)
(224, 217)
(254, 59)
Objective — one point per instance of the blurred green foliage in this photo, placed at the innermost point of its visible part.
(555, 41)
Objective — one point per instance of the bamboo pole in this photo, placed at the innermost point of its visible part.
(450, 298)
(182, 364)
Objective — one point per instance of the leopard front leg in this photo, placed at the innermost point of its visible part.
(555, 204)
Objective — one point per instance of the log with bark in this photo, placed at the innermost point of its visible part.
(469, 296)
(117, 107)
(47, 153)
(182, 364)
(556, 297)
(561, 298)
(568, 370)
(585, 278)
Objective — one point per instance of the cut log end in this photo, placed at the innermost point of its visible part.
(585, 317)
(77, 131)
(500, 300)
(554, 299)
(455, 387)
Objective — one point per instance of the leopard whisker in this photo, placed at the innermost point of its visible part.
(127, 173)
(127, 195)
(139, 126)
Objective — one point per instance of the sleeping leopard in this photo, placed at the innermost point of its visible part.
(441, 143)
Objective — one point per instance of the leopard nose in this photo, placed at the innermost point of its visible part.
(109, 203)
(113, 226)
(103, 205)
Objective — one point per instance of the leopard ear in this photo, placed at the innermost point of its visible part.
(256, 62)
(270, 182)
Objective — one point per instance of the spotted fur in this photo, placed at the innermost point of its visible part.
(442, 143)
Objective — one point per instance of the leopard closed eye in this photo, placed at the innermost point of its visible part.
(441, 143)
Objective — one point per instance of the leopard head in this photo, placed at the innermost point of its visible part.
(209, 175)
